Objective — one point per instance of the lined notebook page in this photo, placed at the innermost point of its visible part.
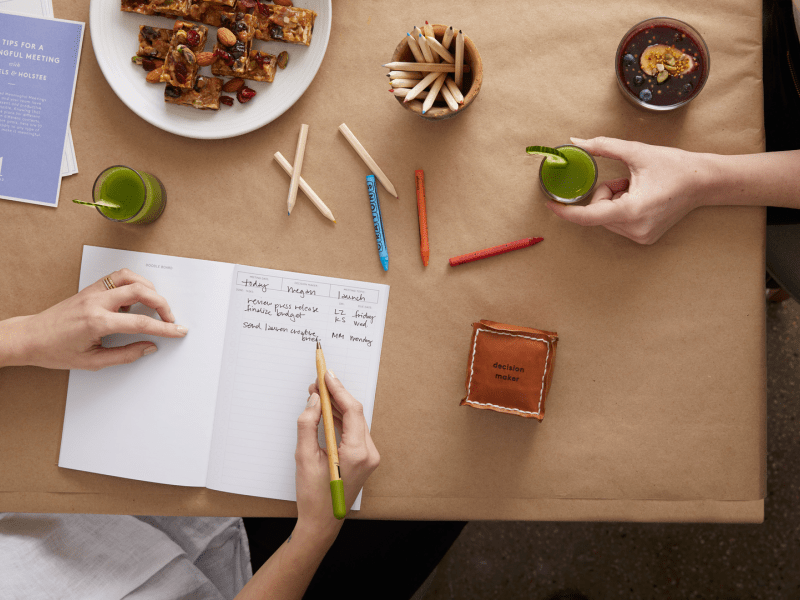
(152, 420)
(274, 322)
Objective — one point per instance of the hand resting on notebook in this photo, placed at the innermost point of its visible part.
(68, 335)
(289, 570)
(666, 184)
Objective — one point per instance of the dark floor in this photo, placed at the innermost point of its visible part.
(618, 560)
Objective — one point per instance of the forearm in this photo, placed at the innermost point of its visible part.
(12, 342)
(766, 179)
(289, 570)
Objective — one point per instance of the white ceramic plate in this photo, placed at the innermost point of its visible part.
(115, 37)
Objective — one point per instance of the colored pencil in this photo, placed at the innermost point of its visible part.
(448, 37)
(426, 52)
(494, 251)
(297, 167)
(373, 166)
(457, 95)
(412, 43)
(403, 92)
(434, 45)
(404, 75)
(337, 486)
(377, 221)
(424, 250)
(425, 67)
(437, 85)
(448, 97)
(316, 200)
(459, 58)
(425, 82)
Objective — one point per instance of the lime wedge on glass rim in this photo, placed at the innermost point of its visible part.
(552, 156)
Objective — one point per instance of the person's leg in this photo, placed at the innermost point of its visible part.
(370, 559)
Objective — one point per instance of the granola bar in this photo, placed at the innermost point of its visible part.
(260, 67)
(180, 64)
(235, 56)
(153, 42)
(176, 8)
(210, 13)
(284, 24)
(203, 95)
(143, 7)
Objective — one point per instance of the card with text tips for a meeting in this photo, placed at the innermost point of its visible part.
(510, 369)
(38, 67)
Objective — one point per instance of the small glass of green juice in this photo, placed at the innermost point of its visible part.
(571, 182)
(141, 197)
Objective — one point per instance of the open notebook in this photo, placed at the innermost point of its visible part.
(219, 408)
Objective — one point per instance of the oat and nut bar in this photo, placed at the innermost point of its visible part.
(177, 8)
(153, 42)
(180, 64)
(204, 95)
(284, 24)
(234, 56)
(260, 67)
(210, 14)
(143, 7)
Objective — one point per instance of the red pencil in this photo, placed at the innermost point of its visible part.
(494, 251)
(419, 180)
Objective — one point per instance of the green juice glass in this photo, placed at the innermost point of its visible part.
(141, 196)
(571, 182)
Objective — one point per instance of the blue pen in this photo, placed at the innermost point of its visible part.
(377, 221)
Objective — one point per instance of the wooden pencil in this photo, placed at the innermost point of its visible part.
(337, 487)
(373, 166)
(426, 51)
(448, 37)
(425, 82)
(425, 67)
(434, 45)
(404, 83)
(297, 167)
(451, 85)
(494, 251)
(459, 77)
(427, 31)
(412, 43)
(316, 200)
(448, 98)
(403, 92)
(405, 75)
(437, 85)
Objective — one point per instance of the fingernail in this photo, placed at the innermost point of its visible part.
(312, 400)
(181, 329)
(149, 350)
(575, 140)
(331, 374)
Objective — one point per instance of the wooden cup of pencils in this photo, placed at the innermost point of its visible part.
(471, 76)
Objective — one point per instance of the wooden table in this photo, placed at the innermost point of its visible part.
(657, 410)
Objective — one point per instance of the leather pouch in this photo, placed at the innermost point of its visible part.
(510, 369)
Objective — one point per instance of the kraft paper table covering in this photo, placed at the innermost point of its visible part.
(659, 387)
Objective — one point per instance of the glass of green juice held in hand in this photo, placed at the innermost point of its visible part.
(567, 174)
(140, 197)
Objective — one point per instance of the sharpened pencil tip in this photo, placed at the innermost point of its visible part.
(319, 346)
(334, 220)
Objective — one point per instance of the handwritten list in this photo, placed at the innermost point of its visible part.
(274, 323)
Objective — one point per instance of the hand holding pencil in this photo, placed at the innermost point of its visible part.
(358, 457)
